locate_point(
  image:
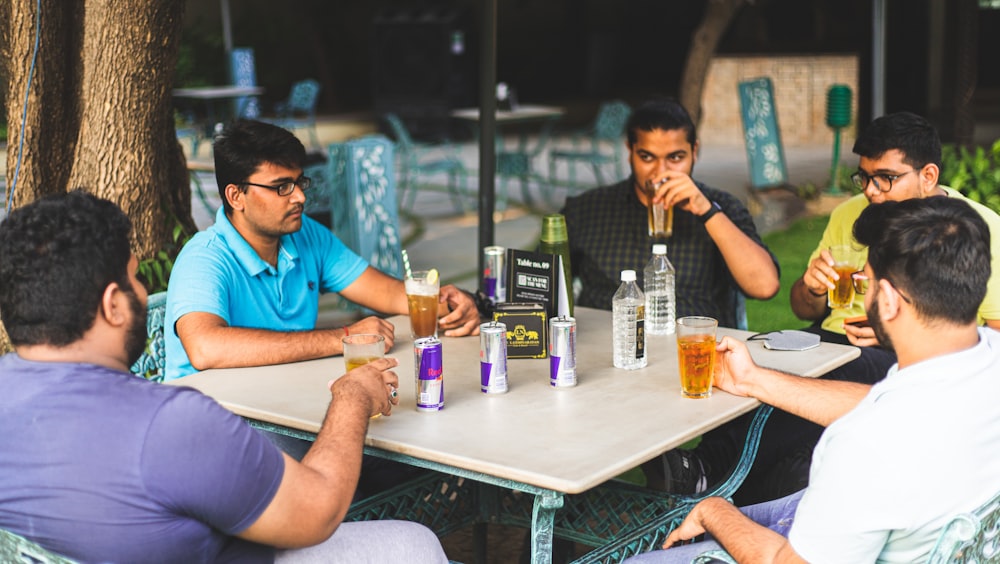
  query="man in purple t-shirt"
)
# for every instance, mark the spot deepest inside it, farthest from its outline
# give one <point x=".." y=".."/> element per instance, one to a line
<point x="99" y="465"/>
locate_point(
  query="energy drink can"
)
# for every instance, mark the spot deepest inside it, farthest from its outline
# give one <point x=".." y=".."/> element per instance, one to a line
<point x="562" y="352"/>
<point x="493" y="275"/>
<point x="429" y="374"/>
<point x="493" y="357"/>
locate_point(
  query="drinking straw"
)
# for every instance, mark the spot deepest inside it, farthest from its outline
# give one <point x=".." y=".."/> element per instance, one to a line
<point x="406" y="265"/>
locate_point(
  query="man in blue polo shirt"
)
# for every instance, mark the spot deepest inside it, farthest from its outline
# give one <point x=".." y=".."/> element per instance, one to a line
<point x="245" y="291"/>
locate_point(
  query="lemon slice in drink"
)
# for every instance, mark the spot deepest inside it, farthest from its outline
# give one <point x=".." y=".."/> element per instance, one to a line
<point x="432" y="276"/>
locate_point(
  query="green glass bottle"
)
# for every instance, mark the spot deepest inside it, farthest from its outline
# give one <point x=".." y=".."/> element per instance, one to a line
<point x="555" y="240"/>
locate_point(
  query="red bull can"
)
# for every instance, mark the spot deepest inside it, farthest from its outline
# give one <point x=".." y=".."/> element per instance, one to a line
<point x="494" y="284"/>
<point x="493" y="357"/>
<point x="562" y="352"/>
<point x="429" y="369"/>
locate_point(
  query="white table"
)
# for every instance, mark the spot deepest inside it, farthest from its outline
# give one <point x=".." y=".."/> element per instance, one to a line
<point x="537" y="439"/>
<point x="211" y="96"/>
<point x="521" y="113"/>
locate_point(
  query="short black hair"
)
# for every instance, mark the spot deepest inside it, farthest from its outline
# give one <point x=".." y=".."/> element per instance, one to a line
<point x="57" y="255"/>
<point x="660" y="113"/>
<point x="934" y="250"/>
<point x="246" y="144"/>
<point x="905" y="132"/>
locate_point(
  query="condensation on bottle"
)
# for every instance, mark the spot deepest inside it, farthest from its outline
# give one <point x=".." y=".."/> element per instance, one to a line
<point x="629" y="331"/>
<point x="658" y="286"/>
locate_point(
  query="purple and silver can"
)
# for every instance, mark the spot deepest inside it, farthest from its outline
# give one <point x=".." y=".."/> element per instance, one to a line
<point x="493" y="275"/>
<point x="562" y="352"/>
<point x="429" y="374"/>
<point x="493" y="357"/>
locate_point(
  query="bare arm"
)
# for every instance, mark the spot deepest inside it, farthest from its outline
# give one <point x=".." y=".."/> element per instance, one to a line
<point x="315" y="494"/>
<point x="819" y="401"/>
<point x="211" y="343"/>
<point x="743" y="539"/>
<point x="993" y="324"/>
<point x="750" y="264"/>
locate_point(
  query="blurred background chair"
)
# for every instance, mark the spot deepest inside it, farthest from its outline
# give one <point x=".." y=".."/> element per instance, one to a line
<point x="600" y="144"/>
<point x="421" y="160"/>
<point x="15" y="548"/>
<point x="354" y="192"/>
<point x="298" y="111"/>
<point x="243" y="72"/>
<point x="153" y="361"/>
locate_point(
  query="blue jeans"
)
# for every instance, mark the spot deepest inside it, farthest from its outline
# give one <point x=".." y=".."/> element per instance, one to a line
<point x="776" y="515"/>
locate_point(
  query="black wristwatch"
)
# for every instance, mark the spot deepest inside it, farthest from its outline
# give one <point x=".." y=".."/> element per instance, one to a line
<point x="716" y="208"/>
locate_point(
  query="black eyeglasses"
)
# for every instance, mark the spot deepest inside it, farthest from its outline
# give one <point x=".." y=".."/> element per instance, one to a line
<point x="284" y="188"/>
<point x="883" y="182"/>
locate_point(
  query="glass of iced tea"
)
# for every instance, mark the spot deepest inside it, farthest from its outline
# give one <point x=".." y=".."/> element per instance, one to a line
<point x="696" y="355"/>
<point x="846" y="261"/>
<point x="422" y="290"/>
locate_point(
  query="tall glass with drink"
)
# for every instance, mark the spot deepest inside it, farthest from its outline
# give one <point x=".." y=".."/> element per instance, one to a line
<point x="846" y="261"/>
<point x="422" y="291"/>
<point x="362" y="348"/>
<point x="696" y="355"/>
<point x="661" y="220"/>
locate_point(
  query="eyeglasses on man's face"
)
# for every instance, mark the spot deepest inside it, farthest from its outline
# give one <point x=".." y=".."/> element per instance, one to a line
<point x="883" y="182"/>
<point x="285" y="188"/>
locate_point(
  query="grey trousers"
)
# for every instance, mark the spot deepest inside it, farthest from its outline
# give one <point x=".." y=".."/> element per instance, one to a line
<point x="374" y="542"/>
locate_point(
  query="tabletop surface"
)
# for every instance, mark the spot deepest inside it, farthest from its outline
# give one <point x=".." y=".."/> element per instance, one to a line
<point x="563" y="439"/>
<point x="523" y="112"/>
<point x="228" y="91"/>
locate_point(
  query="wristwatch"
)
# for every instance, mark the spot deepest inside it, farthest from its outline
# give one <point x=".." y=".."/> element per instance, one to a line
<point x="716" y="208"/>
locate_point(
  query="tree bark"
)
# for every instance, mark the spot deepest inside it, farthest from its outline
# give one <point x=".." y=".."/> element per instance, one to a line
<point x="718" y="15"/>
<point x="99" y="110"/>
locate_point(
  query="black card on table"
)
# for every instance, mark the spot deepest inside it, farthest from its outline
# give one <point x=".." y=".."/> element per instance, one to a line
<point x="537" y="278"/>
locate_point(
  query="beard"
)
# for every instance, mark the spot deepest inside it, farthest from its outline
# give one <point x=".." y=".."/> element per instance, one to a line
<point x="876" y="322"/>
<point x="135" y="340"/>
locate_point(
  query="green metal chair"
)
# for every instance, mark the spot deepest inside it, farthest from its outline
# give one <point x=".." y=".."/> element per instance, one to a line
<point x="17" y="549"/>
<point x="600" y="144"/>
<point x="422" y="159"/>
<point x="299" y="109"/>
<point x="153" y="361"/>
<point x="972" y="537"/>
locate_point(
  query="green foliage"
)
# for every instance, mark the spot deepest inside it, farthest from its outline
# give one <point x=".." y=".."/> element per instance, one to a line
<point x="792" y="247"/>
<point x="155" y="271"/>
<point x="975" y="173"/>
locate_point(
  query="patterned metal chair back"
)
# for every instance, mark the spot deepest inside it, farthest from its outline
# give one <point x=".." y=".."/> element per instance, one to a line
<point x="609" y="125"/>
<point x="153" y="361"/>
<point x="971" y="537"/>
<point x="365" y="214"/>
<point x="303" y="97"/>
<point x="243" y="72"/>
<point x="15" y="548"/>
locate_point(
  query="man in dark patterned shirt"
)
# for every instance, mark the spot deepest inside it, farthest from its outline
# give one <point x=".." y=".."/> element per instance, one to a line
<point x="715" y="248"/>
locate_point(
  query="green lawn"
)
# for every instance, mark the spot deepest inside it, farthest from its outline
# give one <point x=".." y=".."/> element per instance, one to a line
<point x="792" y="247"/>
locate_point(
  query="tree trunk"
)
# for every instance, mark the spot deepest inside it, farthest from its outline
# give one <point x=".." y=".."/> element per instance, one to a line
<point x="718" y="15"/>
<point x="966" y="70"/>
<point x="99" y="109"/>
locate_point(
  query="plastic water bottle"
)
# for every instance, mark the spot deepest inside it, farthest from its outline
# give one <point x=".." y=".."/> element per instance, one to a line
<point x="629" y="333"/>
<point x="658" y="285"/>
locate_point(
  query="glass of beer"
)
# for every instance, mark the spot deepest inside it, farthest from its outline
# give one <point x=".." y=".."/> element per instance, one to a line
<point x="362" y="348"/>
<point x="696" y="355"/>
<point x="422" y="290"/>
<point x="846" y="261"/>
<point x="661" y="220"/>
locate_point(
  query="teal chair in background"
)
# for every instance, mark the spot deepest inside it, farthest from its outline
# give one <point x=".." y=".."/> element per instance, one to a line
<point x="417" y="160"/>
<point x="243" y="72"/>
<point x="153" y="361"/>
<point x="599" y="145"/>
<point x="298" y="111"/>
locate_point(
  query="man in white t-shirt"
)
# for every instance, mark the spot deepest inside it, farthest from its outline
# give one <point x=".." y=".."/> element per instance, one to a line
<point x="888" y="472"/>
